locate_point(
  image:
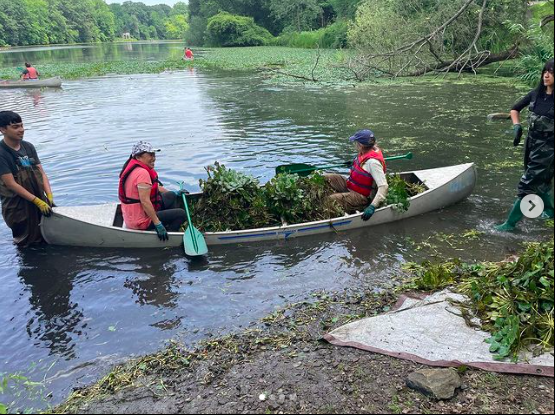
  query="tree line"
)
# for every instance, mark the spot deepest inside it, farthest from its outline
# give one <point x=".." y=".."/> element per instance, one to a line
<point x="43" y="22"/>
<point x="212" y="20"/>
<point x="390" y="37"/>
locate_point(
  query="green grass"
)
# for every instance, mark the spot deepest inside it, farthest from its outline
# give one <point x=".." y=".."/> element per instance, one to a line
<point x="541" y="9"/>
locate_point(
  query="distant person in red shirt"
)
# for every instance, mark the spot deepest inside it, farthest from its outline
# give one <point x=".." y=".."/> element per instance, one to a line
<point x="29" y="73"/>
<point x="189" y="54"/>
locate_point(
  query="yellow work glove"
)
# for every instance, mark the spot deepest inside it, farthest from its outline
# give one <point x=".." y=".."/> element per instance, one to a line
<point x="44" y="208"/>
<point x="50" y="197"/>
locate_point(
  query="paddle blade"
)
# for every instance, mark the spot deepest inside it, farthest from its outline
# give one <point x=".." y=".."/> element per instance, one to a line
<point x="301" y="169"/>
<point x="194" y="242"/>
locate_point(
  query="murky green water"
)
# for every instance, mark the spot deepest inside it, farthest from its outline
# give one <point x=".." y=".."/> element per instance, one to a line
<point x="68" y="314"/>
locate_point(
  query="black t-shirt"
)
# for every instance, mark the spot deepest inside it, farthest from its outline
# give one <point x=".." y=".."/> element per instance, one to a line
<point x="544" y="104"/>
<point x="11" y="161"/>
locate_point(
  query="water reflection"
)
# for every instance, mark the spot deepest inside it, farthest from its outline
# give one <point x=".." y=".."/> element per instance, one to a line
<point x="154" y="282"/>
<point x="55" y="320"/>
<point x="36" y="96"/>
<point x="91" y="53"/>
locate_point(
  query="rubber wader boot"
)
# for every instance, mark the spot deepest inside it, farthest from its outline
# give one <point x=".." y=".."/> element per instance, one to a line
<point x="515" y="216"/>
<point x="549" y="211"/>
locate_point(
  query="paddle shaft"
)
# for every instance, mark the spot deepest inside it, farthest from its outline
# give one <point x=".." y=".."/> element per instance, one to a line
<point x="407" y="156"/>
<point x="499" y="116"/>
<point x="193" y="236"/>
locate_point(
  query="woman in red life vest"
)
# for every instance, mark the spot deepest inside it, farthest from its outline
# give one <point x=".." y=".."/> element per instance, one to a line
<point x="366" y="188"/>
<point x="145" y="204"/>
<point x="29" y="73"/>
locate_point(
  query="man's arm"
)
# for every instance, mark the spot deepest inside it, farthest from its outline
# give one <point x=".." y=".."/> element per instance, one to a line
<point x="11" y="184"/>
<point x="47" y="187"/>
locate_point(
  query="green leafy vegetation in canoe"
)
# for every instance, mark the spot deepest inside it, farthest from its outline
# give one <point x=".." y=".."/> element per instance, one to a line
<point x="232" y="200"/>
<point x="514" y="299"/>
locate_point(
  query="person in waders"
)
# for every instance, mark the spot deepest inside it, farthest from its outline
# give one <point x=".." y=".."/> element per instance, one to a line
<point x="538" y="156"/>
<point x="366" y="188"/>
<point x="25" y="191"/>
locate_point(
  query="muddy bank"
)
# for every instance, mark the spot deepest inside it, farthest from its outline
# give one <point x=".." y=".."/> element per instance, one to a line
<point x="283" y="366"/>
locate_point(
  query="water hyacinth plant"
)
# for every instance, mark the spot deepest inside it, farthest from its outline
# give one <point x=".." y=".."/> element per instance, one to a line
<point x="400" y="192"/>
<point x="232" y="200"/>
<point x="514" y="299"/>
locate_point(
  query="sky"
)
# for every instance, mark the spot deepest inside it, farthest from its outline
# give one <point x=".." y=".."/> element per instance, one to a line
<point x="148" y="2"/>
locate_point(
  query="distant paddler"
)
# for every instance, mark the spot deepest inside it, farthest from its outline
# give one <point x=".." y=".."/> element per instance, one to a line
<point x="539" y="148"/>
<point x="145" y="203"/>
<point x="188" y="54"/>
<point x="29" y="73"/>
<point x="366" y="188"/>
<point x="25" y="190"/>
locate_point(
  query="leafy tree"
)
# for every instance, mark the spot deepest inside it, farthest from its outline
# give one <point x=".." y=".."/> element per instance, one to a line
<point x="176" y="27"/>
<point x="413" y="37"/>
<point x="345" y="9"/>
<point x="105" y="20"/>
<point x="226" y="29"/>
<point x="180" y="8"/>
<point x="196" y="35"/>
<point x="296" y="15"/>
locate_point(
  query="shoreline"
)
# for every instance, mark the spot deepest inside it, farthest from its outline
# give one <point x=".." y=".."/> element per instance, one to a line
<point x="274" y="63"/>
<point x="281" y="365"/>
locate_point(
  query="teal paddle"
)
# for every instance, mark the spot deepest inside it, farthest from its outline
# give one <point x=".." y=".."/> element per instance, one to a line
<point x="305" y="169"/>
<point x="193" y="241"/>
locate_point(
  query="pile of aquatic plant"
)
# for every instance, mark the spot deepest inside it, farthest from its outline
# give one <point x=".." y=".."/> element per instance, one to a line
<point x="296" y="199"/>
<point x="401" y="191"/>
<point x="514" y="299"/>
<point x="232" y="200"/>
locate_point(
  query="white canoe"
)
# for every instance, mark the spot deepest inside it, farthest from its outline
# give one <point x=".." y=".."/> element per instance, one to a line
<point x="40" y="83"/>
<point x="100" y="225"/>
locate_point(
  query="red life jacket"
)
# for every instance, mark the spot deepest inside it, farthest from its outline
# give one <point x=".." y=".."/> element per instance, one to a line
<point x="360" y="180"/>
<point x="31" y="73"/>
<point x="188" y="54"/>
<point x="155" y="196"/>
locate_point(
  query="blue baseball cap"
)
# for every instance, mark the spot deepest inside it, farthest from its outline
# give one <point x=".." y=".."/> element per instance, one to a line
<point x="365" y="137"/>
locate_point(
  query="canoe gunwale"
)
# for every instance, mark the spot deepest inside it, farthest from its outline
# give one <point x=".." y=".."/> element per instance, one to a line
<point x="97" y="233"/>
<point x="55" y="82"/>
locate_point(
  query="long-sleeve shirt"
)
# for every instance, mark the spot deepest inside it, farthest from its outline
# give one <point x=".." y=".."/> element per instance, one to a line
<point x="544" y="103"/>
<point x="375" y="168"/>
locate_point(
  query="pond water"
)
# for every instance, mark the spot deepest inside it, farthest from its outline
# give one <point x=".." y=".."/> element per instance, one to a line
<point x="68" y="314"/>
<point x="81" y="53"/>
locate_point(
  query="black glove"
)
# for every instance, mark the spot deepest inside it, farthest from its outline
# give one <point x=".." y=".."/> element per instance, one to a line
<point x="368" y="213"/>
<point x="180" y="192"/>
<point x="162" y="232"/>
<point x="517" y="131"/>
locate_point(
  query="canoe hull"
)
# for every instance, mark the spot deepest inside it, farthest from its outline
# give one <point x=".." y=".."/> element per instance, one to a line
<point x="81" y="226"/>
<point x="41" y="83"/>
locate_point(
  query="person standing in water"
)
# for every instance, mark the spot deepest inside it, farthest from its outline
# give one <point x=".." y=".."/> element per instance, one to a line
<point x="538" y="158"/>
<point x="25" y="190"/>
